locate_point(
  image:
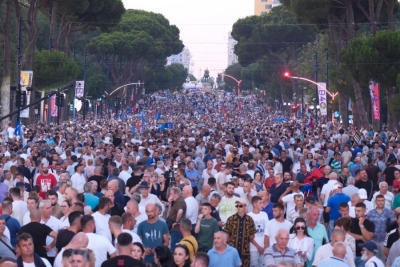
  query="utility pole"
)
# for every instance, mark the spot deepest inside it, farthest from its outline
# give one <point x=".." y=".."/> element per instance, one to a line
<point x="327" y="84"/>
<point x="316" y="87"/>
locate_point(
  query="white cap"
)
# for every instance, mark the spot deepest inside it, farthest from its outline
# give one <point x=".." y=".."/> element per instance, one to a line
<point x="362" y="193"/>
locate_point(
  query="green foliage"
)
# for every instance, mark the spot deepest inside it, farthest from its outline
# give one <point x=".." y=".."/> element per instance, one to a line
<point x="192" y="78"/>
<point x="52" y="69"/>
<point x="170" y="77"/>
<point x="138" y="46"/>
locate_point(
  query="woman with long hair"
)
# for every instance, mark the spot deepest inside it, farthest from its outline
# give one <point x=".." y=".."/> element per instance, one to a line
<point x="344" y="224"/>
<point x="258" y="182"/>
<point x="154" y="186"/>
<point x="301" y="241"/>
<point x="164" y="183"/>
<point x="181" y="256"/>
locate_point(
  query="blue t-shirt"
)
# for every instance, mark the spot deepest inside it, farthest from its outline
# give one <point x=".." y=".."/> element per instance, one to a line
<point x="334" y="203"/>
<point x="91" y="200"/>
<point x="230" y="257"/>
<point x="152" y="236"/>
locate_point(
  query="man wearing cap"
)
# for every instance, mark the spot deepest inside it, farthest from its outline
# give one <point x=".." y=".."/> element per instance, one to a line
<point x="333" y="205"/>
<point x="364" y="199"/>
<point x="241" y="230"/>
<point x="146" y="197"/>
<point x="368" y="251"/>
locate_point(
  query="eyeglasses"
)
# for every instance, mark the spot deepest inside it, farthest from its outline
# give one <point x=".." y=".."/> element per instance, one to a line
<point x="240" y="206"/>
<point x="300" y="228"/>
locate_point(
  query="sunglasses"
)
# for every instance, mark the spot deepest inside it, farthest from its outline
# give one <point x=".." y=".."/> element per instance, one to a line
<point x="239" y="206"/>
<point x="300" y="227"/>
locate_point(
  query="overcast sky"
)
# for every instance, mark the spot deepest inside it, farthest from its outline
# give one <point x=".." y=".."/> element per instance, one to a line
<point x="204" y="26"/>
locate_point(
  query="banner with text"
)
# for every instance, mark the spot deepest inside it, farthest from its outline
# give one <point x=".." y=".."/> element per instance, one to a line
<point x="26" y="81"/>
<point x="79" y="89"/>
<point x="322" y="99"/>
<point x="375" y="101"/>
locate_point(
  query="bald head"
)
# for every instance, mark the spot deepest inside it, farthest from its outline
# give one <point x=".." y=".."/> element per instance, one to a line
<point x="294" y="185"/>
<point x="339" y="250"/>
<point x="187" y="191"/>
<point x="282" y="233"/>
<point x="333" y="176"/>
<point x="98" y="170"/>
<point x="80" y="240"/>
<point x="35" y="215"/>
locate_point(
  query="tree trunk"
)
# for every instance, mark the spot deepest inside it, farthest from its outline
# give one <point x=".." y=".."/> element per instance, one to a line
<point x="6" y="77"/>
<point x="392" y="122"/>
<point x="391" y="4"/>
<point x="53" y="25"/>
<point x="343" y="110"/>
<point x="360" y="105"/>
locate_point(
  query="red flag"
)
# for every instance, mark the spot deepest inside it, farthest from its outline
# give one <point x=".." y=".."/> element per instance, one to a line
<point x="223" y="110"/>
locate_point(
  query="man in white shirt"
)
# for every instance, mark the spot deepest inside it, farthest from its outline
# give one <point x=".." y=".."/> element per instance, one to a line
<point x="277" y="223"/>
<point x="32" y="204"/>
<point x="101" y="218"/>
<point x="147" y="198"/>
<point x="99" y="244"/>
<point x="132" y="207"/>
<point x="289" y="198"/>
<point x="19" y="206"/>
<point x="208" y="172"/>
<point x="192" y="206"/>
<point x="383" y="190"/>
<point x="260" y="219"/>
<point x="124" y="174"/>
<point x="77" y="179"/>
<point x="52" y="222"/>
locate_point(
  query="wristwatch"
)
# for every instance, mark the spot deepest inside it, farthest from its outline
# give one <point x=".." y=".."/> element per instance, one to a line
<point x="362" y="226"/>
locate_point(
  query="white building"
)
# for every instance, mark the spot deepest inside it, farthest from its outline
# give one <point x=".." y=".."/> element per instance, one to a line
<point x="232" y="57"/>
<point x="181" y="58"/>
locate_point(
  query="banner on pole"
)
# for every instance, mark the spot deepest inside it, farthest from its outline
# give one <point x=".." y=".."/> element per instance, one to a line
<point x="26" y="81"/>
<point x="53" y="106"/>
<point x="322" y="99"/>
<point x="375" y="101"/>
<point x="79" y="89"/>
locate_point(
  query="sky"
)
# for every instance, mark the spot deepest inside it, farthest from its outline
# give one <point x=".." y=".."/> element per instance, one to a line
<point x="203" y="25"/>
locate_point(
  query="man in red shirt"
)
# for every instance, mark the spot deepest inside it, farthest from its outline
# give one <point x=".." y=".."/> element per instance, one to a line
<point x="46" y="180"/>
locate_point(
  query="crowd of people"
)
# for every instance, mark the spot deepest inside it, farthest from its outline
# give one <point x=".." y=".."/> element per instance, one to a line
<point x="230" y="184"/>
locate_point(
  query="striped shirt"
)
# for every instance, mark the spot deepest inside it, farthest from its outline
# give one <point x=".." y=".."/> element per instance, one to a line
<point x="273" y="257"/>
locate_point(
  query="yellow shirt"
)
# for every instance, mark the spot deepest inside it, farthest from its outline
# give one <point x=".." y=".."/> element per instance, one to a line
<point x="191" y="244"/>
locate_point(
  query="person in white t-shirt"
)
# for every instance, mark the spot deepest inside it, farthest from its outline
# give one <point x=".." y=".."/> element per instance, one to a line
<point x="289" y="198"/>
<point x="99" y="244"/>
<point x="19" y="206"/>
<point x="52" y="222"/>
<point x="261" y="220"/>
<point x="277" y="223"/>
<point x="77" y="179"/>
<point x="132" y="207"/>
<point x="192" y="206"/>
<point x="79" y="241"/>
<point x="115" y="224"/>
<point x="102" y="217"/>
<point x="208" y="172"/>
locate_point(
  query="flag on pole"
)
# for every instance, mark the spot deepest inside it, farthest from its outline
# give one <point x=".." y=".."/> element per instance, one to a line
<point x="18" y="130"/>
<point x="132" y="96"/>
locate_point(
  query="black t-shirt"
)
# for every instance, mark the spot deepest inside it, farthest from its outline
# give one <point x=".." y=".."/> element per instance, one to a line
<point x="389" y="171"/>
<point x="117" y="209"/>
<point x="392" y="237"/>
<point x="125" y="261"/>
<point x="372" y="172"/>
<point x="39" y="232"/>
<point x="117" y="141"/>
<point x="355" y="229"/>
<point x="276" y="192"/>
<point x="368" y="185"/>
<point x="98" y="179"/>
<point x="63" y="238"/>
<point x="286" y="165"/>
<point x="134" y="180"/>
<point x="322" y="181"/>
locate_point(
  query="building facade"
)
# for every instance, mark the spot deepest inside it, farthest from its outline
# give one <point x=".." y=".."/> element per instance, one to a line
<point x="181" y="58"/>
<point x="232" y="57"/>
<point x="262" y="7"/>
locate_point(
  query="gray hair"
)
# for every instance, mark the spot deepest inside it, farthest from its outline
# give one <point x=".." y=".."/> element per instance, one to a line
<point x="87" y="187"/>
<point x="216" y="196"/>
<point x="177" y="191"/>
<point x="224" y="234"/>
<point x="136" y="197"/>
<point x="61" y="184"/>
<point x="43" y="203"/>
<point x="64" y="174"/>
<point x="351" y="180"/>
<point x="382" y="183"/>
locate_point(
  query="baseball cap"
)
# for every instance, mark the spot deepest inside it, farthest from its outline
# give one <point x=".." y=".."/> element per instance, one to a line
<point x="310" y="199"/>
<point x="371" y="246"/>
<point x="241" y="200"/>
<point x="362" y="193"/>
<point x="336" y="186"/>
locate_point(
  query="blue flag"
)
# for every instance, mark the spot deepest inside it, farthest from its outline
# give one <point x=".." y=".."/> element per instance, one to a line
<point x="143" y="117"/>
<point x="133" y="129"/>
<point x="143" y="125"/>
<point x="158" y="115"/>
<point x="18" y="130"/>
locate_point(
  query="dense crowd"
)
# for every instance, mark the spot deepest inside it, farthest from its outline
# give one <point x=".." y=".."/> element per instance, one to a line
<point x="229" y="182"/>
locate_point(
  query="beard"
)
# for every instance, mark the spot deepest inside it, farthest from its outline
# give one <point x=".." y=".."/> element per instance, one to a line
<point x="364" y="256"/>
<point x="46" y="172"/>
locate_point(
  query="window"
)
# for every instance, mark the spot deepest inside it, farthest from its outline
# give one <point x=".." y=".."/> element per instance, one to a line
<point x="268" y="6"/>
<point x="264" y="0"/>
<point x="263" y="13"/>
